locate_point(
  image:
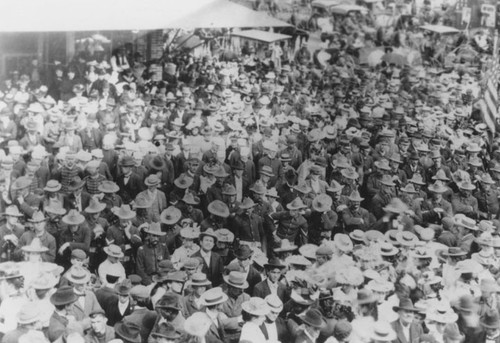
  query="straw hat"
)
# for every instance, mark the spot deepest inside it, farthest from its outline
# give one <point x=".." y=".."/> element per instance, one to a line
<point x="78" y="275"/>
<point x="108" y="187"/>
<point x="237" y="280"/>
<point x="213" y="296"/>
<point x="382" y="332"/>
<point x="343" y="242"/>
<point x="28" y="314"/>
<point x="210" y="233"/>
<point x="256" y="306"/>
<point x="35" y="246"/>
<point x="113" y="250"/>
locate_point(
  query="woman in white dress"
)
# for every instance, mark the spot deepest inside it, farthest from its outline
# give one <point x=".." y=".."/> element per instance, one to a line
<point x="254" y="314"/>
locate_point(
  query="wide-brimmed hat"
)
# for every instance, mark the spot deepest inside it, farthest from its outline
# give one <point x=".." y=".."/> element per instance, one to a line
<point x="314" y="318"/>
<point x="171" y="215"/>
<point x="285" y="245"/>
<point x="417" y="179"/>
<point x="108" y="187"/>
<point x="267" y="170"/>
<point x="155" y="229"/>
<point x="52" y="186"/>
<point x="256" y="306"/>
<point x="75" y="183"/>
<point x="490" y="319"/>
<point x="258" y="188"/>
<point x="113" y="250"/>
<point x="437" y="187"/>
<point x="190" y="199"/>
<point x="35" y="246"/>
<point x="406" y="305"/>
<point x="451" y="252"/>
<point x="128" y="331"/>
<point x="45" y="281"/>
<point x="28" y="314"/>
<point x="466" y="185"/>
<point x="355" y="196"/>
<point x="322" y="203"/>
<point x="236" y="279"/>
<point x="123" y="212"/>
<point x="357" y="235"/>
<point x="224" y="235"/>
<point x="190" y="232"/>
<point x="274" y="263"/>
<point x="78" y="275"/>
<point x="365" y="296"/>
<point x="213" y="296"/>
<point x="247" y="203"/>
<point x="296" y="204"/>
<point x="208" y="232"/>
<point x="152" y="180"/>
<point x="157" y="163"/>
<point x="396" y="205"/>
<point x="167" y="331"/>
<point x="73" y="218"/>
<point x="95" y="206"/>
<point x="421" y="253"/>
<point x="406" y="238"/>
<point x="382" y="332"/>
<point x="200" y="279"/>
<point x="142" y="201"/>
<point x="63" y="296"/>
<point x="467" y="223"/>
<point x="183" y="181"/>
<point x="441" y="176"/>
<point x="218" y="208"/>
<point x="387" y="249"/>
<point x="228" y="189"/>
<point x="343" y="242"/>
<point x="13" y="211"/>
<point x="387" y="181"/>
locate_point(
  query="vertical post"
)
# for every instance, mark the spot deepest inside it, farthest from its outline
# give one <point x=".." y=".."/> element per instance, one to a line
<point x="495" y="46"/>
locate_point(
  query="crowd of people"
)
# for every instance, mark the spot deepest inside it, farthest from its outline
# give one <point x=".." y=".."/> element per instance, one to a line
<point x="247" y="201"/>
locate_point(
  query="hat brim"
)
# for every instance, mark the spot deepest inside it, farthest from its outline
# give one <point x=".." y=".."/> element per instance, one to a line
<point x="411" y="309"/>
<point x="100" y="208"/>
<point x="109" y="253"/>
<point x="245" y="284"/>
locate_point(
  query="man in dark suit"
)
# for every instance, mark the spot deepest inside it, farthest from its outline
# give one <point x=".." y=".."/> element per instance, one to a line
<point x="120" y="306"/>
<point x="489" y="331"/>
<point x="77" y="199"/>
<point x="271" y="285"/>
<point x="406" y="329"/>
<point x="275" y="328"/>
<point x="129" y="182"/>
<point x="213" y="265"/>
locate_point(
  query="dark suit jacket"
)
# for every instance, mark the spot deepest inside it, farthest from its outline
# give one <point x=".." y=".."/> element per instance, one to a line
<point x="57" y="327"/>
<point x="133" y="187"/>
<point x="281" y="328"/>
<point x="70" y="204"/>
<point x="262" y="290"/>
<point x="105" y="295"/>
<point x="216" y="269"/>
<point x="113" y="312"/>
<point x="415" y="332"/>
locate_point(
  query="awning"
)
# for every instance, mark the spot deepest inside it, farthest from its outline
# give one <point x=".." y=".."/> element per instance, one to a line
<point x="440" y="29"/>
<point x="261" y="36"/>
<point x="108" y="15"/>
<point x="226" y="14"/>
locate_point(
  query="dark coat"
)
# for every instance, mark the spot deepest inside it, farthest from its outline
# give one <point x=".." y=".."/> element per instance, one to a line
<point x="281" y="328"/>
<point x="216" y="269"/>
<point x="262" y="290"/>
<point x="113" y="312"/>
<point x="129" y="191"/>
<point x="70" y="204"/>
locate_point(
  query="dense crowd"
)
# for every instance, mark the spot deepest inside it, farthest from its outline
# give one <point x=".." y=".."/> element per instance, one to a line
<point x="252" y="200"/>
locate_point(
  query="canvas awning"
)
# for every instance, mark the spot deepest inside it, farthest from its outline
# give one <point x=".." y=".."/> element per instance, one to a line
<point x="108" y="15"/>
<point x="226" y="14"/>
<point x="261" y="36"/>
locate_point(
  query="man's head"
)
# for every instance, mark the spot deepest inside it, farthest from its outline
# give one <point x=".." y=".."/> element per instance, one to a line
<point x="98" y="322"/>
